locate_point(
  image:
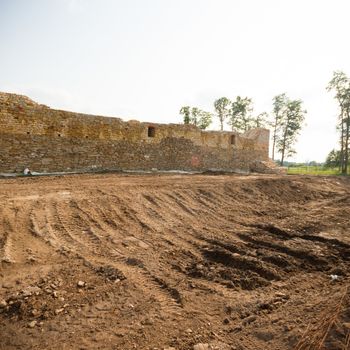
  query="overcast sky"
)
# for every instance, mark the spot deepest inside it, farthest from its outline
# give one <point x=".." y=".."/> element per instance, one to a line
<point x="144" y="59"/>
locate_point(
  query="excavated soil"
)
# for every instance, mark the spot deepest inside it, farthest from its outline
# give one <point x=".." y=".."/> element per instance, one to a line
<point x="175" y="262"/>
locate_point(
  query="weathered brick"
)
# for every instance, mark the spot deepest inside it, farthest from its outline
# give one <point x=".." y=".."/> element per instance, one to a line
<point x="53" y="140"/>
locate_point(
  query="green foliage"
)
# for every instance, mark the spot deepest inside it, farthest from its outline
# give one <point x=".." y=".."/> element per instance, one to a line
<point x="288" y="120"/>
<point x="222" y="109"/>
<point x="195" y="116"/>
<point x="298" y="164"/>
<point x="312" y="170"/>
<point x="340" y="84"/>
<point x="290" y="126"/>
<point x="261" y="120"/>
<point x="186" y="112"/>
<point x="333" y="159"/>
<point x="279" y="103"/>
<point x="240" y="114"/>
<point x="205" y="119"/>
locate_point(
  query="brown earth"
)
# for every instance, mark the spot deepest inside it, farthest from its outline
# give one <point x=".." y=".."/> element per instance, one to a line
<point x="171" y="261"/>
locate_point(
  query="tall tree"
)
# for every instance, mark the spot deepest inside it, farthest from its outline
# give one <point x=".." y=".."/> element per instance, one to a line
<point x="279" y="103"/>
<point x="290" y="126"/>
<point x="222" y="108"/>
<point x="340" y="83"/>
<point x="240" y="114"/>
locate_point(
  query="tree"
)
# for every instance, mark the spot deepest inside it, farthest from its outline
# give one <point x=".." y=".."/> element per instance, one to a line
<point x="186" y="112"/>
<point x="205" y="119"/>
<point x="240" y="114"/>
<point x="195" y="112"/>
<point x="260" y="121"/>
<point x="340" y="83"/>
<point x="333" y="159"/>
<point x="290" y="125"/>
<point x="279" y="105"/>
<point x="222" y="109"/>
<point x="195" y="116"/>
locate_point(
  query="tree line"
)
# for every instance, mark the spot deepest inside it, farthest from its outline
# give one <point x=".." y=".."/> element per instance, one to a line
<point x="285" y="120"/>
<point x="340" y="85"/>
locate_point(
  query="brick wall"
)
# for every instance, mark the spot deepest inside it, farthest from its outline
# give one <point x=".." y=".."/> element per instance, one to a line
<point x="49" y="140"/>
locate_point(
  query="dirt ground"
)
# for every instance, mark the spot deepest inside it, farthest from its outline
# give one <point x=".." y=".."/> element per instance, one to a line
<point x="175" y="262"/>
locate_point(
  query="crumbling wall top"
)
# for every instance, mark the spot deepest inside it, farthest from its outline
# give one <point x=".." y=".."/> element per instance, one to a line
<point x="21" y="115"/>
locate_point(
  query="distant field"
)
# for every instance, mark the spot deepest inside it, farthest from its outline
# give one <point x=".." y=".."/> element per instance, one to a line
<point x="313" y="170"/>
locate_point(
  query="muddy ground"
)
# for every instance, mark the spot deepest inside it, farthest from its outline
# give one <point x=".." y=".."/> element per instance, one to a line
<point x="175" y="262"/>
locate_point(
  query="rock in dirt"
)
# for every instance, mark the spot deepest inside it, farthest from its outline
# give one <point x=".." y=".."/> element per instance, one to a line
<point x="249" y="320"/>
<point x="236" y="329"/>
<point x="347" y="325"/>
<point x="31" y="290"/>
<point x="6" y="286"/>
<point x="264" y="335"/>
<point x="201" y="346"/>
<point x="35" y="313"/>
<point x="282" y="295"/>
<point x="3" y="304"/>
<point x="81" y="284"/>
<point x="58" y="311"/>
<point x="111" y="273"/>
<point x="32" y="324"/>
<point x="147" y="322"/>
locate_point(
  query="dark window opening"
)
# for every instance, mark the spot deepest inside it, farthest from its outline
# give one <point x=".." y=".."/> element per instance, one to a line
<point x="86" y="137"/>
<point x="233" y="139"/>
<point x="59" y="135"/>
<point x="151" y="131"/>
<point x="28" y="132"/>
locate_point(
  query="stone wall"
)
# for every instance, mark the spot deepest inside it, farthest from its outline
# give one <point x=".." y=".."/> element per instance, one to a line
<point x="48" y="140"/>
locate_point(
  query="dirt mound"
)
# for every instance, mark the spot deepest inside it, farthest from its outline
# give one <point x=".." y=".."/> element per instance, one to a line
<point x="156" y="262"/>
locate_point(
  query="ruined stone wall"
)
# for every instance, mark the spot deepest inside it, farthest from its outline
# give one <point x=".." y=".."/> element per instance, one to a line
<point x="48" y="140"/>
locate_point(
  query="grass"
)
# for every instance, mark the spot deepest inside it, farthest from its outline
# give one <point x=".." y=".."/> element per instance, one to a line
<point x="313" y="170"/>
<point x="315" y="337"/>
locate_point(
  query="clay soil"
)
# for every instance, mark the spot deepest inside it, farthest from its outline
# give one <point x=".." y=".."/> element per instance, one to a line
<point x="117" y="261"/>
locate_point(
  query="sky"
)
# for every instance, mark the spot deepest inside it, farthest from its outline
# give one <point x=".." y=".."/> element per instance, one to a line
<point x="144" y="59"/>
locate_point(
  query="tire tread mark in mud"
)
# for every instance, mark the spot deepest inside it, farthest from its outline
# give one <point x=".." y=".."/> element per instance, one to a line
<point x="131" y="215"/>
<point x="96" y="232"/>
<point x="275" y="231"/>
<point x="62" y="227"/>
<point x="151" y="199"/>
<point x="240" y="263"/>
<point x="179" y="203"/>
<point x="168" y="297"/>
<point x="5" y="241"/>
<point x="331" y="243"/>
<point x="228" y="246"/>
<point x="82" y="216"/>
<point x="86" y="215"/>
<point x="168" y="211"/>
<point x="305" y="256"/>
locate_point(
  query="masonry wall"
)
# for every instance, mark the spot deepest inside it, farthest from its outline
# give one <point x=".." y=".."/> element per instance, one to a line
<point x="48" y="140"/>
